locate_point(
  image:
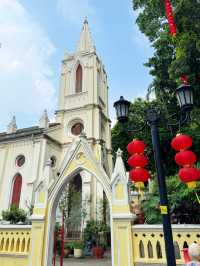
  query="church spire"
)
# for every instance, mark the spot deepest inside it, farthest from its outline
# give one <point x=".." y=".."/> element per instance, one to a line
<point x="85" y="43"/>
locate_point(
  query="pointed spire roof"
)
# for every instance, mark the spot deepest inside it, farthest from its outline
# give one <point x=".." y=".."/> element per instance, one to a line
<point x="85" y="43"/>
<point x="12" y="126"/>
<point x="44" y="120"/>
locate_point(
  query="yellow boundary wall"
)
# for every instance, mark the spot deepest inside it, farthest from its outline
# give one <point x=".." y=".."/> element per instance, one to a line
<point x="14" y="245"/>
<point x="148" y="242"/>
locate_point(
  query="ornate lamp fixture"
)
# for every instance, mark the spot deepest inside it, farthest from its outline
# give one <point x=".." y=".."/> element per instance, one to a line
<point x="184" y="94"/>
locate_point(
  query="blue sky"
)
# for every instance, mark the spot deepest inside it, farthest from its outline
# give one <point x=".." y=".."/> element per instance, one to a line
<point x="34" y="34"/>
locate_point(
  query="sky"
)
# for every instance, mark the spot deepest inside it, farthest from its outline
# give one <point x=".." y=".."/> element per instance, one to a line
<point x="35" y="34"/>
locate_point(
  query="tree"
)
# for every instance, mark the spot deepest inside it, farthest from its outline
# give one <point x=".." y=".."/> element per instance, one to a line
<point x="182" y="201"/>
<point x="121" y="137"/>
<point x="172" y="57"/>
<point x="71" y="203"/>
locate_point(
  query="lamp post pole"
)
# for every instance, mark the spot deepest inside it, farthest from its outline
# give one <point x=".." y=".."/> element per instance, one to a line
<point x="184" y="94"/>
<point x="152" y="121"/>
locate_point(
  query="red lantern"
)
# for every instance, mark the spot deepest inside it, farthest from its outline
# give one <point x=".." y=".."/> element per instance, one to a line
<point x="139" y="175"/>
<point x="184" y="79"/>
<point x="185" y="158"/>
<point x="189" y="176"/>
<point x="170" y="17"/>
<point x="136" y="146"/>
<point x="138" y="160"/>
<point x="181" y="142"/>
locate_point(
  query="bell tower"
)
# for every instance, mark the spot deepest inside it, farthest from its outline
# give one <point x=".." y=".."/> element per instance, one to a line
<point x="83" y="98"/>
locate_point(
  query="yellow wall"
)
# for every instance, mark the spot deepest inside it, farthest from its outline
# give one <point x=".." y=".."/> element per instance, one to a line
<point x="149" y="237"/>
<point x="15" y="245"/>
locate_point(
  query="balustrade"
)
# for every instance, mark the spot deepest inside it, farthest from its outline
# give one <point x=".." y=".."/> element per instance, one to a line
<point x="15" y="239"/>
<point x="149" y="246"/>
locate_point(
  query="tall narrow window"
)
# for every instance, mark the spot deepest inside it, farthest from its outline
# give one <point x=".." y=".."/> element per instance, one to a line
<point x="16" y="191"/>
<point x="79" y="79"/>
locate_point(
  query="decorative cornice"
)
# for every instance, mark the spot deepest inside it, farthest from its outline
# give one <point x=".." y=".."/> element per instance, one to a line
<point x="124" y="216"/>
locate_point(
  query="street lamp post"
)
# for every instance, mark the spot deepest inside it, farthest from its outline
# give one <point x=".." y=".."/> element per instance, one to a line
<point x="184" y="95"/>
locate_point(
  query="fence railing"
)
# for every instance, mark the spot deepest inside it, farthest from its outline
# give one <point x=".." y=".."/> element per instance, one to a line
<point x="149" y="247"/>
<point x="15" y="240"/>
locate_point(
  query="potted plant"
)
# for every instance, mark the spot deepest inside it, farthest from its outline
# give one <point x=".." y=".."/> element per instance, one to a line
<point x="14" y="215"/>
<point x="94" y="232"/>
<point x="68" y="247"/>
<point x="78" y="249"/>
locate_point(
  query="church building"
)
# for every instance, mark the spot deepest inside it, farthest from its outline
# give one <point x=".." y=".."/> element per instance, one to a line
<point x="82" y="110"/>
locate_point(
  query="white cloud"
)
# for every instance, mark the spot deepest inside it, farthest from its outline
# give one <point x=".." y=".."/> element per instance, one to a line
<point x="25" y="74"/>
<point x="75" y="11"/>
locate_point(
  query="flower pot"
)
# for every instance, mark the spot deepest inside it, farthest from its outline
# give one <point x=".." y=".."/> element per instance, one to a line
<point x="67" y="251"/>
<point x="78" y="253"/>
<point x="98" y="252"/>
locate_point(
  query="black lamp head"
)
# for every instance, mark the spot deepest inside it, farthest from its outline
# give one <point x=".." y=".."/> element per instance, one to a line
<point x="184" y="94"/>
<point x="122" y="109"/>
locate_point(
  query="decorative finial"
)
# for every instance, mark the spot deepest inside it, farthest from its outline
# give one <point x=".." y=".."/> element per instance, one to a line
<point x="86" y="20"/>
<point x="44" y="120"/>
<point x="119" y="152"/>
<point x="12" y="126"/>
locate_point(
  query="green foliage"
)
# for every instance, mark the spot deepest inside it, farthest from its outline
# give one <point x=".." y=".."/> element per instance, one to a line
<point x="172" y="57"/>
<point x="67" y="245"/>
<point x="71" y="203"/>
<point x="182" y="201"/>
<point x="14" y="215"/>
<point x="78" y="245"/>
<point x="57" y="227"/>
<point x="93" y="231"/>
<point x="120" y="136"/>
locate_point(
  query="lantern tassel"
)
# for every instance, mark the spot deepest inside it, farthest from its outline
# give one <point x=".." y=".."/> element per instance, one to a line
<point x="198" y="199"/>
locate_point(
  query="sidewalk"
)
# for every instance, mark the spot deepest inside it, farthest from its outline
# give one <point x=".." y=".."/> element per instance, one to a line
<point x="86" y="261"/>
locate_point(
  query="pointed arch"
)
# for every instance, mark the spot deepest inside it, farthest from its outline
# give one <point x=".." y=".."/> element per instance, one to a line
<point x="141" y="249"/>
<point x="16" y="190"/>
<point x="17" y="245"/>
<point x="28" y="246"/>
<point x="79" y="79"/>
<point x="150" y="250"/>
<point x="23" y="245"/>
<point x="158" y="250"/>
<point x="2" y="244"/>
<point x="7" y="244"/>
<point x="177" y="250"/>
<point x="12" y="245"/>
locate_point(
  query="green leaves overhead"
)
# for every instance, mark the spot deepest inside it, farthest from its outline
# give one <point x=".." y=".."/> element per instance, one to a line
<point x="173" y="56"/>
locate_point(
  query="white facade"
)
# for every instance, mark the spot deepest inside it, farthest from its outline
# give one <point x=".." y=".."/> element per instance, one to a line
<point x="87" y="109"/>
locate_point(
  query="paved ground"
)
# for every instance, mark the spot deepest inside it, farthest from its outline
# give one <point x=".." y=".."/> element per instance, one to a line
<point x="86" y="261"/>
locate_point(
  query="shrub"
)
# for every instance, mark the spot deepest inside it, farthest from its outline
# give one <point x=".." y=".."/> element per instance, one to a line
<point x="78" y="245"/>
<point x="14" y="215"/>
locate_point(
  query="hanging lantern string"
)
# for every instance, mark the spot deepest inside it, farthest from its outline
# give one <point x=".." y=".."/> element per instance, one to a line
<point x="170" y="17"/>
<point x="173" y="30"/>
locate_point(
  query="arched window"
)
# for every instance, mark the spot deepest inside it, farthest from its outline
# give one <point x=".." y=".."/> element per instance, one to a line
<point x="79" y="79"/>
<point x="16" y="190"/>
